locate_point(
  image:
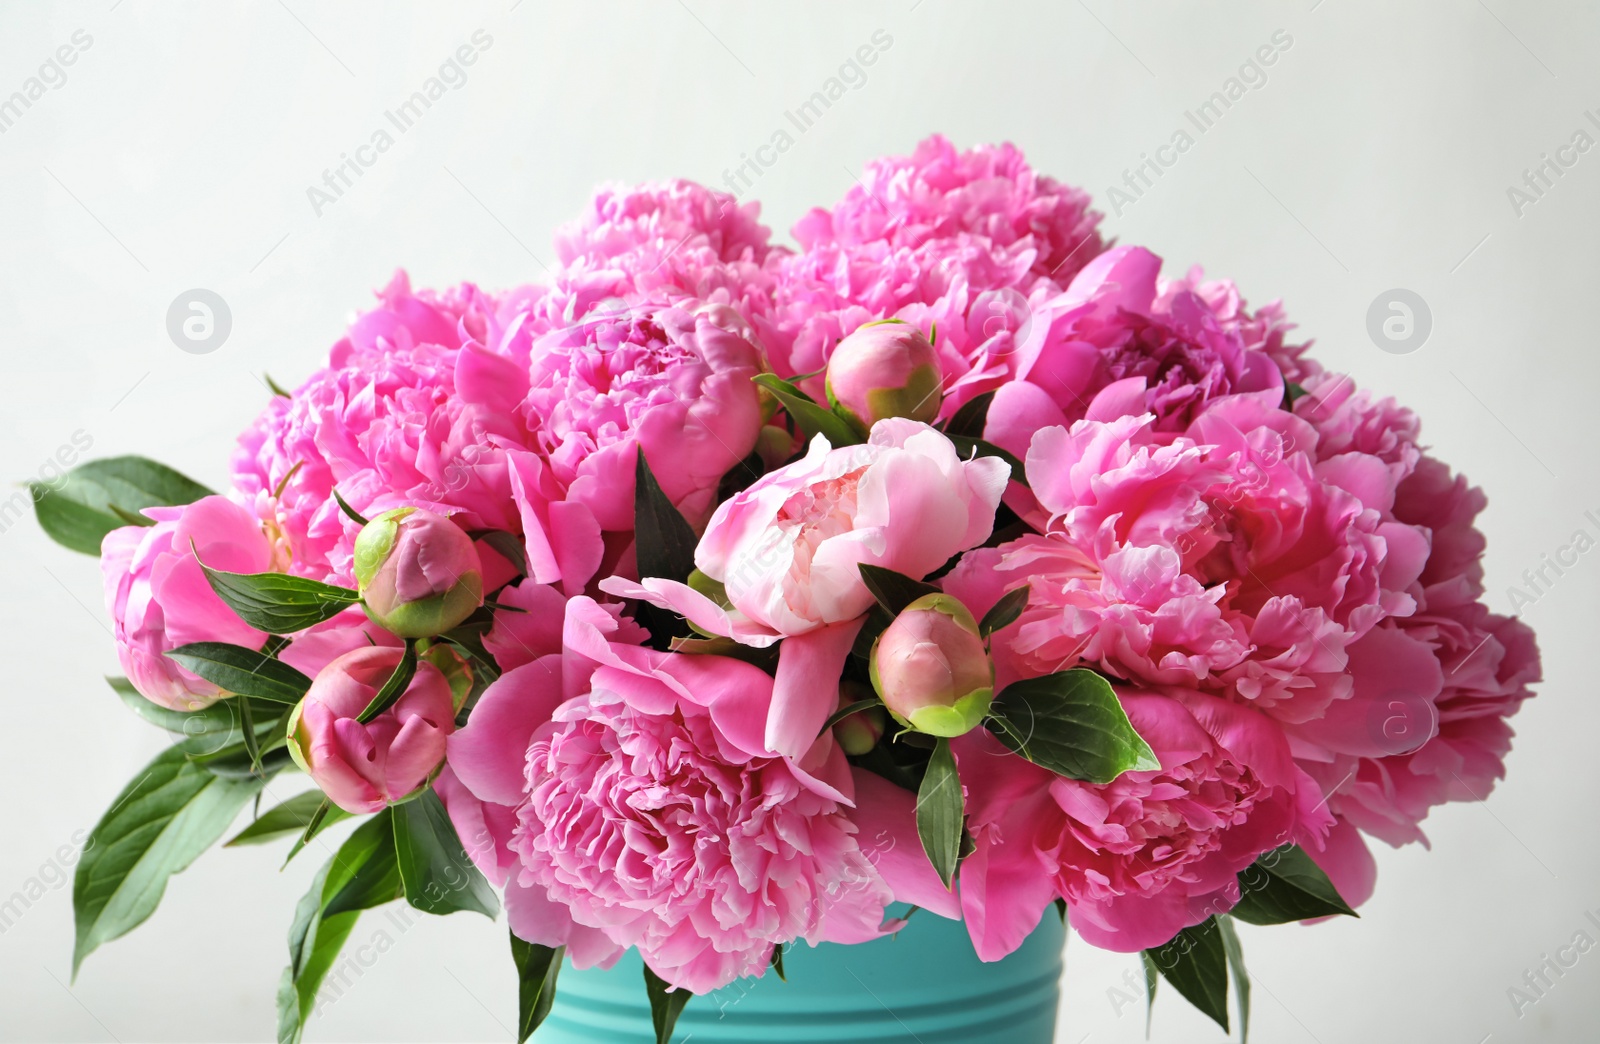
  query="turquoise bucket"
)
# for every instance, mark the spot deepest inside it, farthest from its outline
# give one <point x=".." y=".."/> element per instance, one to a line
<point x="922" y="986"/>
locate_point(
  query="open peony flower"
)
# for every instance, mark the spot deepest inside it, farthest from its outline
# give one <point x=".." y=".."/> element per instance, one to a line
<point x="1140" y="858"/>
<point x="158" y="598"/>
<point x="1159" y="349"/>
<point x="676" y="741"/>
<point x="974" y="242"/>
<point x="383" y="424"/>
<point x="787" y="553"/>
<point x="671" y="381"/>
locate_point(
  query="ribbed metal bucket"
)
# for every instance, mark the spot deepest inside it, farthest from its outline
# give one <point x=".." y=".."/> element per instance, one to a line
<point x="923" y="986"/>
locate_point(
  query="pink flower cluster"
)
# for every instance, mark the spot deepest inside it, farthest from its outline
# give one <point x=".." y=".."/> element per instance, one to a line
<point x="1283" y="587"/>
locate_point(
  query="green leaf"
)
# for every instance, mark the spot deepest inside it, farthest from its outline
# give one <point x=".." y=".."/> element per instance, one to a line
<point x="202" y="732"/>
<point x="813" y="418"/>
<point x="664" y="1007"/>
<point x="969" y="447"/>
<point x="1285" y="885"/>
<point x="972" y="417"/>
<point x="1152" y="978"/>
<point x="278" y="603"/>
<point x="894" y="591"/>
<point x="940" y="812"/>
<point x="1241" y="977"/>
<point x="276" y="388"/>
<point x="324" y="816"/>
<point x="359" y="876"/>
<point x="351" y="513"/>
<point x="1005" y="611"/>
<point x="537" y="969"/>
<point x="170" y="813"/>
<point x="1071" y="723"/>
<point x="777" y="962"/>
<point x="439" y="877"/>
<point x="1196" y="965"/>
<point x="286" y="817"/>
<point x="848" y="709"/>
<point x="393" y="688"/>
<point x="1291" y="392"/>
<point x="81" y="507"/>
<point x="508" y="545"/>
<point x="664" y="541"/>
<point x="246" y="672"/>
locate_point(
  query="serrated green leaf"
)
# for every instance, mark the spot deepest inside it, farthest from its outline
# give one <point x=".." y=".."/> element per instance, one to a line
<point x="246" y="672"/>
<point x="438" y="875"/>
<point x="1071" y="723"/>
<point x="81" y="507"/>
<point x="278" y="603"/>
<point x="665" y="1007"/>
<point x="159" y="823"/>
<point x="894" y="591"/>
<point x="813" y="418"/>
<point x="941" y="811"/>
<point x="1286" y="885"/>
<point x="1236" y="970"/>
<point x="286" y="817"/>
<point x="1004" y="612"/>
<point x="537" y="969"/>
<point x="1197" y="966"/>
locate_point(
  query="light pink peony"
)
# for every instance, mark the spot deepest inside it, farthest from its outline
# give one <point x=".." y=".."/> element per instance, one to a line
<point x="787" y="551"/>
<point x="158" y="598"/>
<point x="363" y="767"/>
<point x="1144" y="856"/>
<point x="676" y="741"/>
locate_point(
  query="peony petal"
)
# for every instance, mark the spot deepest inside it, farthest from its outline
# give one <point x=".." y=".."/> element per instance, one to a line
<point x="806" y="690"/>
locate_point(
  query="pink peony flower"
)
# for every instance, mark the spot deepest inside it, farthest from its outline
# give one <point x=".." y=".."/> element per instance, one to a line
<point x="672" y="381"/>
<point x="385" y="424"/>
<point x="788" y="548"/>
<point x="612" y="755"/>
<point x="1120" y="337"/>
<point x="974" y="241"/>
<point x="1229" y="558"/>
<point x="363" y="767"/>
<point x="884" y="369"/>
<point x="420" y="574"/>
<point x="158" y="598"/>
<point x="1144" y="856"/>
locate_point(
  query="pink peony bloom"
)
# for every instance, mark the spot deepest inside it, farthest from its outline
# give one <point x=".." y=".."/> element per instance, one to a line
<point x="1144" y="856"/>
<point x="1229" y="558"/>
<point x="672" y="381"/>
<point x="1120" y="337"/>
<point x="158" y="598"/>
<point x="363" y="767"/>
<point x="607" y="748"/>
<point x="974" y="241"/>
<point x="884" y="369"/>
<point x="385" y="424"/>
<point x="788" y="548"/>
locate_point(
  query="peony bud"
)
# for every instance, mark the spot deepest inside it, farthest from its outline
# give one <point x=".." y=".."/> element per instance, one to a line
<point x="363" y="767"/>
<point x="860" y="732"/>
<point x="884" y="369"/>
<point x="931" y="668"/>
<point x="419" y="572"/>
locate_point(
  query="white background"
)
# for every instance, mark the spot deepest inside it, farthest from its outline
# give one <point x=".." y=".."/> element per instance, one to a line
<point x="1378" y="155"/>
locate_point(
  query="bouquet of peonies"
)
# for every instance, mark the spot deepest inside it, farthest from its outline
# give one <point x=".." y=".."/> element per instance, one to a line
<point x="716" y="596"/>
